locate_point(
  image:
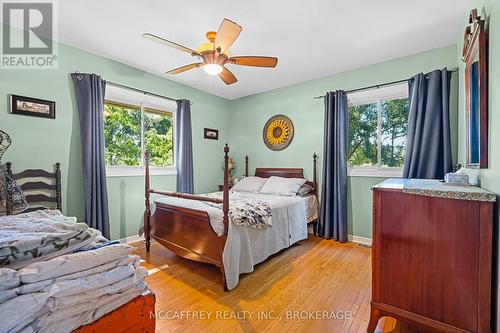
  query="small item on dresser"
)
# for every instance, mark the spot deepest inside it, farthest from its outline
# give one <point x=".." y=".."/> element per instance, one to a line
<point x="456" y="178"/>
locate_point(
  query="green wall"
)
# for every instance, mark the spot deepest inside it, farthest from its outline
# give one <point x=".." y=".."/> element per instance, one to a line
<point x="249" y="115"/>
<point x="40" y="142"/>
<point x="490" y="178"/>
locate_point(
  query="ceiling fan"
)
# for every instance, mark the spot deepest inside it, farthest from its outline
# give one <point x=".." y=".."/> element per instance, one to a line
<point x="213" y="55"/>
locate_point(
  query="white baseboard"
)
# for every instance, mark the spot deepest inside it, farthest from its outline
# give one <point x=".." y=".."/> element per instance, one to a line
<point x="360" y="240"/>
<point x="131" y="239"/>
<point x="352" y="238"/>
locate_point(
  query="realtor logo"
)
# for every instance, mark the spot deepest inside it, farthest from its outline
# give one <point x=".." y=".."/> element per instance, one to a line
<point x="28" y="35"/>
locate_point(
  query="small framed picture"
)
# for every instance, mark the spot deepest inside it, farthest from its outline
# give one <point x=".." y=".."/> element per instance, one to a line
<point x="212" y="134"/>
<point x="32" y="107"/>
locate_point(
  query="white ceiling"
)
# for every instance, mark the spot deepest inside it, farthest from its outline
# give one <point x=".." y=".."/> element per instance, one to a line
<point x="312" y="38"/>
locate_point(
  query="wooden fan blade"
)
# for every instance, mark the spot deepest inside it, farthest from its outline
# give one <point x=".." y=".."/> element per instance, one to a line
<point x="184" y="68"/>
<point x="254" y="61"/>
<point x="226" y="35"/>
<point x="169" y="43"/>
<point x="227" y="76"/>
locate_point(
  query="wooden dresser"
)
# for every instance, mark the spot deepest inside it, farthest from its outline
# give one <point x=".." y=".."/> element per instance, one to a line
<point x="432" y="255"/>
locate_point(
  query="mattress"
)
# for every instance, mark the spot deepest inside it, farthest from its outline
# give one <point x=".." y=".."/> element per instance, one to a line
<point x="310" y="203"/>
<point x="312" y="207"/>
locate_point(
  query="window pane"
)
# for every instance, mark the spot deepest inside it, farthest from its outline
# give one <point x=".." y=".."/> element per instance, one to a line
<point x="394" y="130"/>
<point x="158" y="137"/>
<point x="363" y="135"/>
<point x="122" y="135"/>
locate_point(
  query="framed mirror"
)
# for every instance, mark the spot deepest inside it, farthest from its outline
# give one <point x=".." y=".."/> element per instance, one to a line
<point x="475" y="56"/>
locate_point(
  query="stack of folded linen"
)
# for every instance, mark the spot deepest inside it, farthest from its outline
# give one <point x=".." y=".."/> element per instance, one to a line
<point x="59" y="291"/>
<point x="41" y="235"/>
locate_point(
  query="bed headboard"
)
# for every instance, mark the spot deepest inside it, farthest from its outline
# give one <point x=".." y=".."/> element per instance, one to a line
<point x="285" y="172"/>
<point x="280" y="172"/>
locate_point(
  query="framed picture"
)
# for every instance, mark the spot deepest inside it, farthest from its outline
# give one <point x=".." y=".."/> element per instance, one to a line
<point x="32" y="107"/>
<point x="212" y="134"/>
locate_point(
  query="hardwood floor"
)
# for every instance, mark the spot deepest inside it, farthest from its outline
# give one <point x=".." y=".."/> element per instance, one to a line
<point x="315" y="286"/>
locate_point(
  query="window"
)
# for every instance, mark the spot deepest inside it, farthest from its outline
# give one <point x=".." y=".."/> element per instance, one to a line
<point x="133" y="124"/>
<point x="378" y="124"/>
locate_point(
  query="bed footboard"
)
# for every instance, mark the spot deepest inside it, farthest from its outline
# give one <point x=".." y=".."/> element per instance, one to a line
<point x="187" y="232"/>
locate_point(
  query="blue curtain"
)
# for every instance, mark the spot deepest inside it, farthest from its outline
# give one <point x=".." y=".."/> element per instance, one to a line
<point x="333" y="212"/>
<point x="90" y="90"/>
<point x="428" y="143"/>
<point x="184" y="147"/>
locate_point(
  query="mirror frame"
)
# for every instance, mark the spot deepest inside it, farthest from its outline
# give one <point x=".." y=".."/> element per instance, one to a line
<point x="476" y="41"/>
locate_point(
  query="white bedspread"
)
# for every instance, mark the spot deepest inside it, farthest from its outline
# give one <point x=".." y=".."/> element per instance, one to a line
<point x="245" y="247"/>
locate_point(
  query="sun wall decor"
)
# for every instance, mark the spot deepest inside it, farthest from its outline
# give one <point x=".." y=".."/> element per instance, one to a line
<point x="278" y="132"/>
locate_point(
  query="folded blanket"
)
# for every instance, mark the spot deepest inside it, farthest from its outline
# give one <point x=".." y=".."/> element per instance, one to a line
<point x="81" y="305"/>
<point x="245" y="211"/>
<point x="71" y="263"/>
<point x="26" y="238"/>
<point x="42" y="285"/>
<point x="8" y="279"/>
<point x="39" y="303"/>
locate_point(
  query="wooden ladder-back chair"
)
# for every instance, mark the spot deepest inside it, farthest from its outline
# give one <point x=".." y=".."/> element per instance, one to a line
<point x="45" y="185"/>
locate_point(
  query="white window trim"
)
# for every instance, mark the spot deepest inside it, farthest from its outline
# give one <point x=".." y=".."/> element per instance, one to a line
<point x="142" y="101"/>
<point x="386" y="172"/>
<point x="378" y="170"/>
<point x="134" y="171"/>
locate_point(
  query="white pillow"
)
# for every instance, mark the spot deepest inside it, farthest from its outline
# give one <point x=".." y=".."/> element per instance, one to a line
<point x="282" y="186"/>
<point x="249" y="184"/>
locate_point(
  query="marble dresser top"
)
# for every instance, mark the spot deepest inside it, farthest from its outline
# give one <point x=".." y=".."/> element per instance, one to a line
<point x="435" y="188"/>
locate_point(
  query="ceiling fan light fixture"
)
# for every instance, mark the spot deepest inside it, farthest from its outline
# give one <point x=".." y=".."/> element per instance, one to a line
<point x="213" y="55"/>
<point x="212" y="69"/>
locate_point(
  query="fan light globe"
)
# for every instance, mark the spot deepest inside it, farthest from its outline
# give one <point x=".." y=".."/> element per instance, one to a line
<point x="212" y="69"/>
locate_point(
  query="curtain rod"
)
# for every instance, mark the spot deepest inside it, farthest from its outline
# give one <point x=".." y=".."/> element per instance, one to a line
<point x="380" y="85"/>
<point x="142" y="91"/>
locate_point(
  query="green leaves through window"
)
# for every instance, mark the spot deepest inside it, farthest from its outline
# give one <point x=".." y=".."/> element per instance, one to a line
<point x="130" y="130"/>
<point x="378" y="125"/>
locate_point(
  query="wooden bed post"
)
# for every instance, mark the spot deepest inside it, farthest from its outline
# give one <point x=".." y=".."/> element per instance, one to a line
<point x="225" y="219"/>
<point x="147" y="212"/>
<point x="315" y="183"/>
<point x="246" y="165"/>
<point x="225" y="195"/>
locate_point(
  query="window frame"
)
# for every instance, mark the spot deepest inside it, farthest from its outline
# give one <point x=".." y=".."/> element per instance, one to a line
<point x="139" y="170"/>
<point x="378" y="170"/>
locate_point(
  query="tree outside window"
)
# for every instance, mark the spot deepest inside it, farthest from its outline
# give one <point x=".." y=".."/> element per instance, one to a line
<point x="131" y="130"/>
<point x="377" y="133"/>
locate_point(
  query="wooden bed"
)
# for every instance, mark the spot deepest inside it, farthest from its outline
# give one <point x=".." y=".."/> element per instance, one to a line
<point x="188" y="232"/>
